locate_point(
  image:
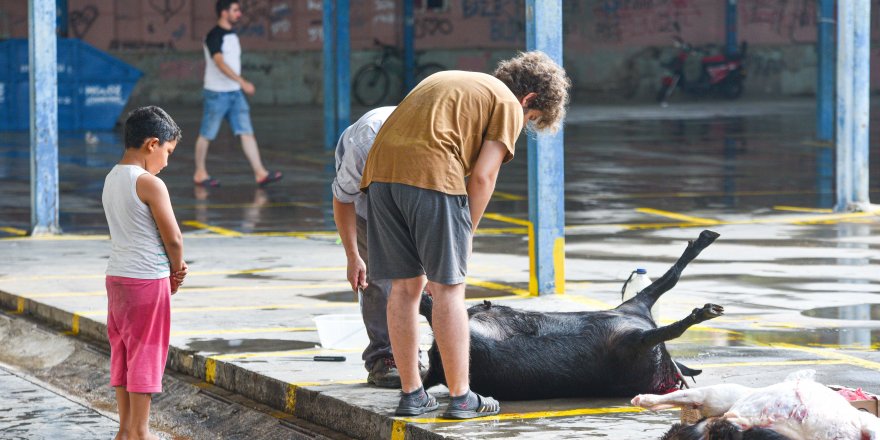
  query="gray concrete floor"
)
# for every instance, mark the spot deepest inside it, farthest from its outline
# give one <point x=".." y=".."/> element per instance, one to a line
<point x="799" y="284"/>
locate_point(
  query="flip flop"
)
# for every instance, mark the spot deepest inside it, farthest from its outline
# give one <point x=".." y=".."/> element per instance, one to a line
<point x="486" y="406"/>
<point x="210" y="182"/>
<point x="273" y="176"/>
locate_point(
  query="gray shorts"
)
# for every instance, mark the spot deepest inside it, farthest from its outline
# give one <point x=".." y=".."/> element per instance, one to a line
<point x="413" y="231"/>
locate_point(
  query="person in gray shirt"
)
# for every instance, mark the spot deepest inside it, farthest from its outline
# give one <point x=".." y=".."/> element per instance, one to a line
<point x="350" y="214"/>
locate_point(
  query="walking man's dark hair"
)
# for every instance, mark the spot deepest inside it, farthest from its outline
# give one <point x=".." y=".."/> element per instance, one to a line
<point x="149" y="122"/>
<point x="223" y="5"/>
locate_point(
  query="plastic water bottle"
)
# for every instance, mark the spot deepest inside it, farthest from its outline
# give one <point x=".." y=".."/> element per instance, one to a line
<point x="637" y="281"/>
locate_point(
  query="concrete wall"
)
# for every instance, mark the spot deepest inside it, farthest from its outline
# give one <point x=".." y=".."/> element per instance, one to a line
<point x="613" y="47"/>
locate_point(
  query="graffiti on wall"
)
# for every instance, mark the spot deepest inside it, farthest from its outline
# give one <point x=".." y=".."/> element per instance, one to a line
<point x="167" y="8"/>
<point x="616" y="21"/>
<point x="81" y="20"/>
<point x="506" y="18"/>
<point x="794" y="20"/>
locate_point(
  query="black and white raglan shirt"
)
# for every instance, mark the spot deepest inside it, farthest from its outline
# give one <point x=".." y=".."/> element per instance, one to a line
<point x="223" y="41"/>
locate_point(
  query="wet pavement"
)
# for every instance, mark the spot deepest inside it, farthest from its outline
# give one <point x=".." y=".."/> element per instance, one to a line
<point x="30" y="411"/>
<point x="799" y="284"/>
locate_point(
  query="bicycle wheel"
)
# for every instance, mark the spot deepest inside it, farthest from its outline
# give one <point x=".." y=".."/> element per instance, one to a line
<point x="425" y="70"/>
<point x="370" y="85"/>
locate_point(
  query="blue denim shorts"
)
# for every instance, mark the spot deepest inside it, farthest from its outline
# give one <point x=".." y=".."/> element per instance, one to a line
<point x="230" y="105"/>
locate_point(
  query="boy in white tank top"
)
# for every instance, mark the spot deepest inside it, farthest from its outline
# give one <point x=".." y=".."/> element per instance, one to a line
<point x="146" y="266"/>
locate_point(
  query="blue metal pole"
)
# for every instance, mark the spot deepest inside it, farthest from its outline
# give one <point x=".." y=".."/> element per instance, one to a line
<point x="844" y="117"/>
<point x="825" y="77"/>
<point x="861" y="90"/>
<point x="329" y="34"/>
<point x="409" y="53"/>
<point x="546" y="164"/>
<point x="43" y="76"/>
<point x="61" y="24"/>
<point x="730" y="22"/>
<point x="343" y="67"/>
<point x="825" y="104"/>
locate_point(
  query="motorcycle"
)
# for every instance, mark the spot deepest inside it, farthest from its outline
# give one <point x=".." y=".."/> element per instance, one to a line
<point x="724" y="73"/>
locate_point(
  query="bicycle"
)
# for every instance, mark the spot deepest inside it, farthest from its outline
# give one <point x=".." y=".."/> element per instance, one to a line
<point x="372" y="82"/>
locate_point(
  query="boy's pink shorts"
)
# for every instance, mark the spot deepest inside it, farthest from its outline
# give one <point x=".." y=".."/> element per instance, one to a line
<point x="138" y="326"/>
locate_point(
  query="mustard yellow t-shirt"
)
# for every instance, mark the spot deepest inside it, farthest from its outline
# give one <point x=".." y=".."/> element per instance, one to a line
<point x="433" y="138"/>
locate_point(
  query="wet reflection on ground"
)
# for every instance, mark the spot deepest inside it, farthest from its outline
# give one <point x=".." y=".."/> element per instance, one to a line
<point x="737" y="164"/>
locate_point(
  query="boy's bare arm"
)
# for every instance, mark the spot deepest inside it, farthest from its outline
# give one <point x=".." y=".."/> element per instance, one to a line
<point x="153" y="192"/>
<point x="481" y="182"/>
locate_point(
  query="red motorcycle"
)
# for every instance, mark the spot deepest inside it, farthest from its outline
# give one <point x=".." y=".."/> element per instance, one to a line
<point x="722" y="73"/>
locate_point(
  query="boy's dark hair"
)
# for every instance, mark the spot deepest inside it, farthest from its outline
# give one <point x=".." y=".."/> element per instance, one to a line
<point x="149" y="122"/>
<point x="536" y="72"/>
<point x="224" y="5"/>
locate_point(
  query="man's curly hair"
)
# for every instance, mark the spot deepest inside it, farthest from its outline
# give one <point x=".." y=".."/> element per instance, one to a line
<point x="534" y="71"/>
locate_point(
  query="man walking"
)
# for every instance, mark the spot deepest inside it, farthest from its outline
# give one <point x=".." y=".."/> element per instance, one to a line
<point x="224" y="98"/>
<point x="423" y="213"/>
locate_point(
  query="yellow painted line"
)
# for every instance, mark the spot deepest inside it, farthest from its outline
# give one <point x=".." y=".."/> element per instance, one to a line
<point x="217" y="230"/>
<point x="191" y="274"/>
<point x="507" y="196"/>
<point x="74" y="324"/>
<point x="290" y="400"/>
<point x="533" y="415"/>
<point x="773" y="363"/>
<point x="19" y="309"/>
<point x="801" y="209"/>
<point x="237" y="308"/>
<point x="58" y="237"/>
<point x="186" y="290"/>
<point x="277" y="354"/>
<point x="398" y="430"/>
<point x="210" y="370"/>
<point x="851" y="360"/>
<point x="507" y="219"/>
<point x="496" y="286"/>
<point x="677" y="216"/>
<point x="13" y="231"/>
<point x="502" y="231"/>
<point x="241" y="331"/>
<point x="308" y="234"/>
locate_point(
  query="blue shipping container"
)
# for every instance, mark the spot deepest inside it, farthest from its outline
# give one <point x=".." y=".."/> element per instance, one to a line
<point x="93" y="87"/>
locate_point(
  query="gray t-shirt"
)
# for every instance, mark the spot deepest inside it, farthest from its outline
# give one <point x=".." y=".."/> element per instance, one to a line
<point x="351" y="155"/>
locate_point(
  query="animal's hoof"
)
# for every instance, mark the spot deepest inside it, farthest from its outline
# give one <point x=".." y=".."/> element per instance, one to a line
<point x="708" y="311"/>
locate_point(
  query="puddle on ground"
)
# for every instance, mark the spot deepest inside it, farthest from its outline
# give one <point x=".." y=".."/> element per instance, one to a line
<point x="853" y="338"/>
<point x="229" y="346"/>
<point x="860" y="312"/>
<point x="472" y="292"/>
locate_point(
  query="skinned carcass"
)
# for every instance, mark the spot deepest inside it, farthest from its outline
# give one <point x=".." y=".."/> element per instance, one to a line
<point x="798" y="408"/>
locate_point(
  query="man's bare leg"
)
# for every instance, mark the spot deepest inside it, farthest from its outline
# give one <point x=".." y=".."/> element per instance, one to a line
<point x="201" y="154"/>
<point x="403" y="329"/>
<point x="450" y="324"/>
<point x="252" y="152"/>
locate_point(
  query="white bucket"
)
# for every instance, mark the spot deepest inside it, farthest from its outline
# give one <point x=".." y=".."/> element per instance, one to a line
<point x="342" y="331"/>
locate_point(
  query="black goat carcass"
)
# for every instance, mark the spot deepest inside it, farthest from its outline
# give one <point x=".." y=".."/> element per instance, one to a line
<point x="522" y="355"/>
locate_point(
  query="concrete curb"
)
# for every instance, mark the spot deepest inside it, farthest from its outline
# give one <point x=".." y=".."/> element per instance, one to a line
<point x="306" y="402"/>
